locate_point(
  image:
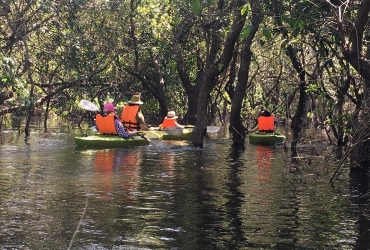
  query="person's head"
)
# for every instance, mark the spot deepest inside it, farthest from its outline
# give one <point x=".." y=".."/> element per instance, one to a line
<point x="135" y="100"/>
<point x="265" y="113"/>
<point x="109" y="108"/>
<point x="171" y="115"/>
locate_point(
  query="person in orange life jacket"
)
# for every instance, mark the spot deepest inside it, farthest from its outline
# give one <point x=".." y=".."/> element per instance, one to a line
<point x="132" y="117"/>
<point x="266" y="123"/>
<point x="170" y="121"/>
<point x="108" y="123"/>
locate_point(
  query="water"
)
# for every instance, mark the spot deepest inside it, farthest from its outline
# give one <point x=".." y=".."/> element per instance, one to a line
<point x="170" y="195"/>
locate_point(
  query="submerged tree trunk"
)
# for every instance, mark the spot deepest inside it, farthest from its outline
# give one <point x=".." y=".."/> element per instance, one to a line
<point x="237" y="129"/>
<point x="29" y="112"/>
<point x="213" y="68"/>
<point x="360" y="157"/>
<point x="352" y="49"/>
<point x="192" y="91"/>
<point x="301" y="112"/>
<point x="46" y="114"/>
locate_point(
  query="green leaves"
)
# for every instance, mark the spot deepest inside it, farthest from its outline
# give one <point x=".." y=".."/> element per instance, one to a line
<point x="196" y="7"/>
<point x="266" y="33"/>
<point x="295" y="24"/>
<point x="246" y="32"/>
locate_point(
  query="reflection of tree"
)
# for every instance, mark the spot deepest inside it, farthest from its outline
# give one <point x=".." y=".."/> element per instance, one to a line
<point x="360" y="196"/>
<point x="235" y="200"/>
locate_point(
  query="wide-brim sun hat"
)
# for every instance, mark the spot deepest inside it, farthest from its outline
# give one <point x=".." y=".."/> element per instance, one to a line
<point x="135" y="99"/>
<point x="171" y="115"/>
<point x="109" y="107"/>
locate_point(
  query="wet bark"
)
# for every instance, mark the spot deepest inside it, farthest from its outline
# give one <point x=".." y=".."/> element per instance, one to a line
<point x="46" y="115"/>
<point x="192" y="91"/>
<point x="31" y="107"/>
<point x="213" y="68"/>
<point x="238" y="131"/>
<point x="301" y="112"/>
<point x="352" y="51"/>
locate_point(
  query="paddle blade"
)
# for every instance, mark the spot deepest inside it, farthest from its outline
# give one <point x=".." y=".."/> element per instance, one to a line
<point x="213" y="129"/>
<point x="85" y="104"/>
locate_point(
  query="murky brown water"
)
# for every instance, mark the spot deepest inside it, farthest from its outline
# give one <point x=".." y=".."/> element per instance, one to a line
<point x="170" y="195"/>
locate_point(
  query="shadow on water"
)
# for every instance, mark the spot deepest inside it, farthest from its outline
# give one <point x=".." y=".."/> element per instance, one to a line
<point x="360" y="197"/>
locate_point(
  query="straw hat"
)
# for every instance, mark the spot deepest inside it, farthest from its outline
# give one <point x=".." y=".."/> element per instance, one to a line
<point x="109" y="107"/>
<point x="135" y="99"/>
<point x="171" y="115"/>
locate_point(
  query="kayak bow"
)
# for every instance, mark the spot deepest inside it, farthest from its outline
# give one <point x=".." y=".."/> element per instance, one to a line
<point x="269" y="139"/>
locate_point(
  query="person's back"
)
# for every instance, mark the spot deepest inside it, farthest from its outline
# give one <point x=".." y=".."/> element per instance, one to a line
<point x="128" y="117"/>
<point x="265" y="123"/>
<point x="131" y="115"/>
<point x="170" y="121"/>
<point x="105" y="123"/>
<point x="108" y="123"/>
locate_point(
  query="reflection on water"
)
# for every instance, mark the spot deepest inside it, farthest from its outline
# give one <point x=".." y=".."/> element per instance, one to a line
<point x="169" y="195"/>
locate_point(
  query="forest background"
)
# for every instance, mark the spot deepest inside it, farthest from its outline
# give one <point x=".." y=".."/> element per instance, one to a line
<point x="213" y="62"/>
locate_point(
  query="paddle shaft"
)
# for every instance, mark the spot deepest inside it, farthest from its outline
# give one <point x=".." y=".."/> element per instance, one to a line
<point x="141" y="135"/>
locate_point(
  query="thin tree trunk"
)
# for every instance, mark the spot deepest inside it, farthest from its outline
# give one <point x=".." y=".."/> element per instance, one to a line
<point x="30" y="109"/>
<point x="301" y="112"/>
<point x="46" y="114"/>
<point x="237" y="129"/>
<point x="212" y="69"/>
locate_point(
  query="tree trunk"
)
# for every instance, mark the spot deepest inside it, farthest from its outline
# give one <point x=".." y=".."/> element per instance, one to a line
<point x="29" y="112"/>
<point x="360" y="157"/>
<point x="238" y="131"/>
<point x="301" y="112"/>
<point x="46" y="114"/>
<point x="352" y="49"/>
<point x="213" y="68"/>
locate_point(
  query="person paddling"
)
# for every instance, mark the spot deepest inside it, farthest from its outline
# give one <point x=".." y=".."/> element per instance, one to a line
<point x="132" y="117"/>
<point x="266" y="123"/>
<point x="170" y="121"/>
<point x="108" y="123"/>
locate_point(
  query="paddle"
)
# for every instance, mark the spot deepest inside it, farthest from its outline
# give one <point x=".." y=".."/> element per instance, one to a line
<point x="213" y="129"/>
<point x="85" y="104"/>
<point x="176" y="131"/>
<point x="138" y="133"/>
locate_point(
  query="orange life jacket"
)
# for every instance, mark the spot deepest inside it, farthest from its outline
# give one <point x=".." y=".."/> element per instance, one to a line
<point x="106" y="124"/>
<point x="168" y="123"/>
<point x="128" y="117"/>
<point x="266" y="124"/>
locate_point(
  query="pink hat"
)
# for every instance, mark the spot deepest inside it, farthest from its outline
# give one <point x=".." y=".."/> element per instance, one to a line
<point x="109" y="107"/>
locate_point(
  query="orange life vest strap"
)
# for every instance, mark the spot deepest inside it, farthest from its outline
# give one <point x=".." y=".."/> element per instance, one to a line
<point x="128" y="117"/>
<point x="106" y="124"/>
<point x="168" y="123"/>
<point x="266" y="124"/>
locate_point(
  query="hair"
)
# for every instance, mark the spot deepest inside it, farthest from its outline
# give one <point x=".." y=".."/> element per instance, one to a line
<point x="265" y="113"/>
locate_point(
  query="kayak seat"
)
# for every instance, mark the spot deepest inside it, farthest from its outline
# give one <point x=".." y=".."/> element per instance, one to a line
<point x="266" y="131"/>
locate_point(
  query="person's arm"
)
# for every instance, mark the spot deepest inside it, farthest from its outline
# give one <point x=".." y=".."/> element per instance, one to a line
<point x="145" y="127"/>
<point x="121" y="131"/>
<point x="178" y="125"/>
<point x="141" y="121"/>
<point x="253" y="129"/>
